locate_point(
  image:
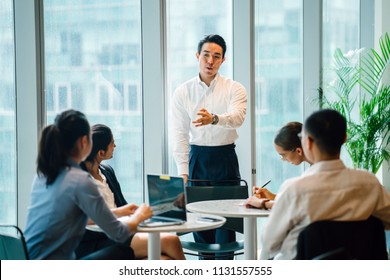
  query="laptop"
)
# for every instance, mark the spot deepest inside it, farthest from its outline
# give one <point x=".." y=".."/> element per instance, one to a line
<point x="166" y="196"/>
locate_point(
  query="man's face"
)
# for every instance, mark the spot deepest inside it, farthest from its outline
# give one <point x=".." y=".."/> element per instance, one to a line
<point x="210" y="59"/>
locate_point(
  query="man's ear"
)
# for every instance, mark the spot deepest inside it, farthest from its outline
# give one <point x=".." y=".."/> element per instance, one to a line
<point x="310" y="143"/>
<point x="197" y="55"/>
<point x="299" y="150"/>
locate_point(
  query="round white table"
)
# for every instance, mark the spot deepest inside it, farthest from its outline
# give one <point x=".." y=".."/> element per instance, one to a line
<point x="193" y="223"/>
<point x="234" y="208"/>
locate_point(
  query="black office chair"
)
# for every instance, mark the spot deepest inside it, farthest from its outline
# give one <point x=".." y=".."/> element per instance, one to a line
<point x="343" y="240"/>
<point x="12" y="243"/>
<point x="219" y="192"/>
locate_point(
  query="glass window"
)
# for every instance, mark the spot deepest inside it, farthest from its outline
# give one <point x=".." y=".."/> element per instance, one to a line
<point x="92" y="50"/>
<point x="340" y="29"/>
<point x="188" y="21"/>
<point x="132" y="100"/>
<point x="62" y="96"/>
<point x="7" y="115"/>
<point x="278" y="83"/>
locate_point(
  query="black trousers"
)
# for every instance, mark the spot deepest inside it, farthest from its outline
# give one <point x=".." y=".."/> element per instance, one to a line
<point x="214" y="164"/>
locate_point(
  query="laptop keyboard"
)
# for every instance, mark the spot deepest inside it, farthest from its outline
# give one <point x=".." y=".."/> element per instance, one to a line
<point x="155" y="219"/>
<point x="160" y="221"/>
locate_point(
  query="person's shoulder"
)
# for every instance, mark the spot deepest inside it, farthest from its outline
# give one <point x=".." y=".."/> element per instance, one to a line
<point x="233" y="86"/>
<point x="229" y="81"/>
<point x="107" y="171"/>
<point x="76" y="172"/>
<point x="187" y="84"/>
<point x="362" y="175"/>
<point x="80" y="179"/>
<point x="290" y="185"/>
<point x="360" y="171"/>
<point x="106" y="167"/>
<point x="185" y="90"/>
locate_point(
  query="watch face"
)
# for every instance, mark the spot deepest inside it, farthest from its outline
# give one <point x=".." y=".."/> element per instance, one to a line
<point x="215" y="119"/>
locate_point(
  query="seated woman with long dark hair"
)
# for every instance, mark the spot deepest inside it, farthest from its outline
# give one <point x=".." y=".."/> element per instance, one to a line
<point x="104" y="175"/>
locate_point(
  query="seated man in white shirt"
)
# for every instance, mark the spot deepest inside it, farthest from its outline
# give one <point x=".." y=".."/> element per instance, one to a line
<point x="326" y="191"/>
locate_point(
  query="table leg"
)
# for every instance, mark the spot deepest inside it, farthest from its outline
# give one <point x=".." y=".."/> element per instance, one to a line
<point x="250" y="238"/>
<point x="154" y="246"/>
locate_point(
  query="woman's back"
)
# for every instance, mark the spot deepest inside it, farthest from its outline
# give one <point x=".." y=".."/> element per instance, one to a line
<point x="55" y="222"/>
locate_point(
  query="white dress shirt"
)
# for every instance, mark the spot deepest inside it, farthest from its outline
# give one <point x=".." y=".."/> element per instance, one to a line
<point x="326" y="191"/>
<point x="224" y="97"/>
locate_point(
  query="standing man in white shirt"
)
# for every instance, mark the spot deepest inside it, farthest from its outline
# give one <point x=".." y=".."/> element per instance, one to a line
<point x="206" y="111"/>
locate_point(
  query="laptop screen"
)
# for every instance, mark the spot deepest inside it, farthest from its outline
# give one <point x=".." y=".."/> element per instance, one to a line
<point x="166" y="196"/>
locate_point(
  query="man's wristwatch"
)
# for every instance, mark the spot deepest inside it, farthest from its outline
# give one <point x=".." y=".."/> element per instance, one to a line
<point x="215" y="119"/>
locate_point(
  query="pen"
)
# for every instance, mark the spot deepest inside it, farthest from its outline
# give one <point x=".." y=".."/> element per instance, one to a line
<point x="265" y="184"/>
<point x="257" y="188"/>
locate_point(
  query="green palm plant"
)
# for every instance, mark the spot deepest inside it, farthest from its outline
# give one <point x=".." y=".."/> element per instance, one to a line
<point x="362" y="96"/>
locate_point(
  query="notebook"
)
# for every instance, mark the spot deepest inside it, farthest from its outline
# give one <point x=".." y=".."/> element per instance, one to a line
<point x="166" y="196"/>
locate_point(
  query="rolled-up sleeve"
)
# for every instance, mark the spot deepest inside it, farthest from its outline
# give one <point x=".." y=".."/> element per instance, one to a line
<point x="235" y="115"/>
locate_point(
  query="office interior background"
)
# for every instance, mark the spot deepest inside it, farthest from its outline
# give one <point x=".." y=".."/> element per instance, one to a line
<point x="119" y="61"/>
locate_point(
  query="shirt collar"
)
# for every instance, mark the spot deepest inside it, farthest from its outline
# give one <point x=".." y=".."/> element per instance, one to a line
<point x="326" y="165"/>
<point x="200" y="82"/>
<point x="72" y="163"/>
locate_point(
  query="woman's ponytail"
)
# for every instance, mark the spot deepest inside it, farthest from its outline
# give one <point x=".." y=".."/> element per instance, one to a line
<point x="58" y="140"/>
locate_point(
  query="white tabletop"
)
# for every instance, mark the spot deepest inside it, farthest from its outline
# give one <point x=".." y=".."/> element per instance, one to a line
<point x="192" y="224"/>
<point x="226" y="208"/>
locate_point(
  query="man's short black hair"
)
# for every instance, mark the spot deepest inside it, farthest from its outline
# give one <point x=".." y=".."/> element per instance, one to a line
<point x="328" y="129"/>
<point x="213" y="38"/>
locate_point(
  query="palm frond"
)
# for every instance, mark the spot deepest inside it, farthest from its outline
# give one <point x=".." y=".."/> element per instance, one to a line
<point x="373" y="66"/>
<point x="384" y="45"/>
<point x="368" y="135"/>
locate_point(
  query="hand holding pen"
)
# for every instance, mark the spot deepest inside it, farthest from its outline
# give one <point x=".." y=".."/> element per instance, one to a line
<point x="262" y="192"/>
<point x="255" y="188"/>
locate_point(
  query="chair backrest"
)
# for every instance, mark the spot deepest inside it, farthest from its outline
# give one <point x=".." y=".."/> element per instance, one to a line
<point x="12" y="243"/>
<point x="207" y="182"/>
<point x="361" y="240"/>
<point x="200" y="193"/>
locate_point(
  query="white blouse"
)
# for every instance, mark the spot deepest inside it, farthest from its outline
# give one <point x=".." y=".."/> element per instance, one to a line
<point x="105" y="191"/>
